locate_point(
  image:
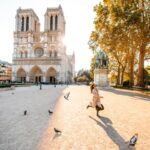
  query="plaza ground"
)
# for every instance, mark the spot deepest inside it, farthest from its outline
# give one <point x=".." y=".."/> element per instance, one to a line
<point x="125" y="114"/>
<point x="19" y="132"/>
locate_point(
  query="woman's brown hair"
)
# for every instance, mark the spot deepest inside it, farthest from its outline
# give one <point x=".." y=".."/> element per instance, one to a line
<point x="92" y="87"/>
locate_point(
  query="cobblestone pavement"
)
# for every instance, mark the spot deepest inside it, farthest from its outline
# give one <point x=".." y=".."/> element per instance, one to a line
<point x="19" y="132"/>
<point x="125" y="114"/>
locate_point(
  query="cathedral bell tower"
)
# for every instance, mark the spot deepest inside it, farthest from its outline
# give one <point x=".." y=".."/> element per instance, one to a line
<point x="27" y="21"/>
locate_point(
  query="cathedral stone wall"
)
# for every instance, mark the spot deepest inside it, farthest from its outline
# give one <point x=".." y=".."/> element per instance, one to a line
<point x="41" y="56"/>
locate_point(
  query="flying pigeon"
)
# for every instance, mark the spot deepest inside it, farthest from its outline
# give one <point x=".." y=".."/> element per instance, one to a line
<point x="67" y="96"/>
<point x="133" y="140"/>
<point x="50" y="112"/>
<point x="57" y="131"/>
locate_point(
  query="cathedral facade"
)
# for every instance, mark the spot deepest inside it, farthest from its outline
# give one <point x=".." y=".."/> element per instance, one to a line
<point x="41" y="56"/>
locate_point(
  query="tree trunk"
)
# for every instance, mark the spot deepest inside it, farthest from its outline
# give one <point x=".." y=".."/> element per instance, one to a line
<point x="122" y="75"/>
<point x="131" y="83"/>
<point x="118" y="76"/>
<point x="141" y="66"/>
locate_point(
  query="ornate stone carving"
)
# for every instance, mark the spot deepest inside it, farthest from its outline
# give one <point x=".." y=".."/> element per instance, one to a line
<point x="37" y="62"/>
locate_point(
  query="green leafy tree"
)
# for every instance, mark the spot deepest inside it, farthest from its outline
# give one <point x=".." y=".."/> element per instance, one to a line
<point x="84" y="76"/>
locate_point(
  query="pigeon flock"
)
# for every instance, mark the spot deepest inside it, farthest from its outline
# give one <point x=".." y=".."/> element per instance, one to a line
<point x="132" y="142"/>
<point x="57" y="131"/>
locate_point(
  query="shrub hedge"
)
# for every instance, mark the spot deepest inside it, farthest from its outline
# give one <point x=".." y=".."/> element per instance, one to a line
<point x="4" y="85"/>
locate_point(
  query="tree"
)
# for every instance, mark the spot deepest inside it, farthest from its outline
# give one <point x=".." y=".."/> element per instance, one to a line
<point x="93" y="66"/>
<point x="83" y="76"/>
<point x="122" y="30"/>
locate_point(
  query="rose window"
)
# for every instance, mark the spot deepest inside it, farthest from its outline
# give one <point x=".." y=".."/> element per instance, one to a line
<point x="38" y="52"/>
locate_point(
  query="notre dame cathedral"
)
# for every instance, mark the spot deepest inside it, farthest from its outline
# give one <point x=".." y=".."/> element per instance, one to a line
<point x="41" y="56"/>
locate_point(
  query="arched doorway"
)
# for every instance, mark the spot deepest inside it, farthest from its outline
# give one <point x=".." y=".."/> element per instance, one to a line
<point x="21" y="75"/>
<point x="36" y="75"/>
<point x="51" y="76"/>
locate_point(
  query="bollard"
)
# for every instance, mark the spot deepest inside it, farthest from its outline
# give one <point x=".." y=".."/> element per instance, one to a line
<point x="40" y="86"/>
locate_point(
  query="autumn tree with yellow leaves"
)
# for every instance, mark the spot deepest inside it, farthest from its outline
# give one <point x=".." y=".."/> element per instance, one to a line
<point x="122" y="30"/>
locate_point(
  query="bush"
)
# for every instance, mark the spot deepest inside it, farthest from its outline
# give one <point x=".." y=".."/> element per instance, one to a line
<point x="119" y="86"/>
<point x="147" y="80"/>
<point x="126" y="83"/>
<point x="4" y="85"/>
<point x="82" y="79"/>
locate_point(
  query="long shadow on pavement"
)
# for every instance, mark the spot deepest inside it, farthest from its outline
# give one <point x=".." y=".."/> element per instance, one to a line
<point x="128" y="93"/>
<point x="106" y="124"/>
<point x="55" y="136"/>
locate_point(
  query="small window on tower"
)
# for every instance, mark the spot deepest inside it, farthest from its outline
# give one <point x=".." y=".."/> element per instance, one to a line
<point x="27" y="24"/>
<point x="55" y="54"/>
<point x="21" y="54"/>
<point x="22" y="24"/>
<point x="50" y="54"/>
<point x="56" y="22"/>
<point x="35" y="25"/>
<point x="25" y="54"/>
<point x="51" y="23"/>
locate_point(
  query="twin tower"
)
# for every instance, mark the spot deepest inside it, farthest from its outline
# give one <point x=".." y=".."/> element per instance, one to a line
<point x="41" y="56"/>
<point x="27" y="20"/>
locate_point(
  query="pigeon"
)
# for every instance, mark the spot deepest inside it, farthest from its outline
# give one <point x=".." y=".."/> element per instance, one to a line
<point x="67" y="96"/>
<point x="57" y="131"/>
<point x="50" y="112"/>
<point x="25" y="112"/>
<point x="88" y="106"/>
<point x="133" y="140"/>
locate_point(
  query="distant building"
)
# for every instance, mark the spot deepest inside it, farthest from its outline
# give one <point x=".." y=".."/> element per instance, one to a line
<point x="5" y="71"/>
<point x="41" y="56"/>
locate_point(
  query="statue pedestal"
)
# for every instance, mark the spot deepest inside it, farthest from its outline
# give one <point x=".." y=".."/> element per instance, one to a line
<point x="101" y="77"/>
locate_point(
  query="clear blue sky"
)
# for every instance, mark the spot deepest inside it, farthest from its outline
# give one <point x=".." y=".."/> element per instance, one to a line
<point x="79" y="17"/>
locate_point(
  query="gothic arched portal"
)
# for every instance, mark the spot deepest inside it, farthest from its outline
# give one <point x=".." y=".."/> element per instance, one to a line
<point x="21" y="75"/>
<point x="36" y="74"/>
<point x="51" y="75"/>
